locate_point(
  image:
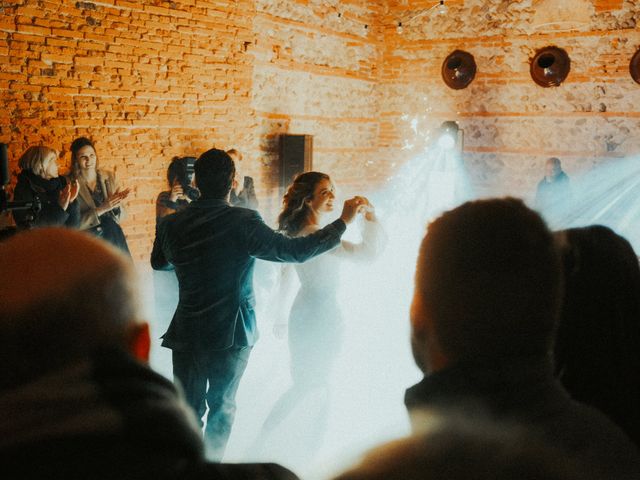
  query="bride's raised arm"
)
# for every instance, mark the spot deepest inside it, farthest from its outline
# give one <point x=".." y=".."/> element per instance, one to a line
<point x="374" y="239"/>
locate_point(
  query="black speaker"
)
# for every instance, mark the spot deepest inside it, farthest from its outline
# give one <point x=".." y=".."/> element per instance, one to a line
<point x="296" y="153"/>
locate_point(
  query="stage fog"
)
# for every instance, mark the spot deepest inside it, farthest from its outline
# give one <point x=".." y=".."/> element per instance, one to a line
<point x="375" y="86"/>
<point x="374" y="365"/>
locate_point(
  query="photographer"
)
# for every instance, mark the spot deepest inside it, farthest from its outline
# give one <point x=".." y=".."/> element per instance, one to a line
<point x="181" y="193"/>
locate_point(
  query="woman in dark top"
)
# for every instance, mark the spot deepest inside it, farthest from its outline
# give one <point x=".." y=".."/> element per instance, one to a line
<point x="54" y="197"/>
<point x="165" y="283"/>
<point x="100" y="197"/>
<point x="176" y="198"/>
<point x="597" y="351"/>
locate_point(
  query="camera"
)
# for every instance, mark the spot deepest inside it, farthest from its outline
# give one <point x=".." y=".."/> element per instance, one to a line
<point x="187" y="178"/>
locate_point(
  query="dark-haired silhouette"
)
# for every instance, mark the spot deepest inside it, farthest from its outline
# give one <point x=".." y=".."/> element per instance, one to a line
<point x="597" y="352"/>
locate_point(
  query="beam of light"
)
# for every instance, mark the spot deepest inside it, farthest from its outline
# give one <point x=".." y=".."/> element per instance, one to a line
<point x="414" y="125"/>
<point x="375" y="364"/>
<point x="607" y="195"/>
<point x="446" y="141"/>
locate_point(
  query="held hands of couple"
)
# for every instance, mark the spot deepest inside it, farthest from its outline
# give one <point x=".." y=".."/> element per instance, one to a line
<point x="68" y="194"/>
<point x="356" y="205"/>
<point x="113" y="201"/>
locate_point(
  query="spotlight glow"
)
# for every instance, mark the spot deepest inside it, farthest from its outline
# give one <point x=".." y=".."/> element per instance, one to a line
<point x="446" y="141"/>
<point x="606" y="195"/>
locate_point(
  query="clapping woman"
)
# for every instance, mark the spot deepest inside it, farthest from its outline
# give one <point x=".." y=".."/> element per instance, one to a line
<point x="100" y="197"/>
<point x="53" y="196"/>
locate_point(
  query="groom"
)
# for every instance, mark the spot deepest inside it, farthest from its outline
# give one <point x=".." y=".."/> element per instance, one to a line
<point x="213" y="247"/>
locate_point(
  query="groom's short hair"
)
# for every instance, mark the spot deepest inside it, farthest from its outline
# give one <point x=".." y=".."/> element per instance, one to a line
<point x="489" y="276"/>
<point x="214" y="173"/>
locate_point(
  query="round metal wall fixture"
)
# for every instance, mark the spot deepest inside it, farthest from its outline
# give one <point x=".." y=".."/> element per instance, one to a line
<point x="550" y="66"/>
<point x="634" y="67"/>
<point x="458" y="69"/>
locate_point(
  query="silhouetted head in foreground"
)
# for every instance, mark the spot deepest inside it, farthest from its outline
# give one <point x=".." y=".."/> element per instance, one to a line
<point x="487" y="286"/>
<point x="468" y="451"/>
<point x="63" y="296"/>
<point x="597" y="353"/>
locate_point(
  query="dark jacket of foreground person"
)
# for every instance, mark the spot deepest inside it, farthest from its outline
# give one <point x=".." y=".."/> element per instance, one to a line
<point x="213" y="247"/>
<point x="523" y="392"/>
<point x="107" y="418"/>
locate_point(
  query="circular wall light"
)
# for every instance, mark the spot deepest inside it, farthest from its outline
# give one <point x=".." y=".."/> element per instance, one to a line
<point x="550" y="66"/>
<point x="458" y="69"/>
<point x="634" y="66"/>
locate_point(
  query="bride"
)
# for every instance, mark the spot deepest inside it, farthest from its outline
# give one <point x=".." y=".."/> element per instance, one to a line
<point x="315" y="323"/>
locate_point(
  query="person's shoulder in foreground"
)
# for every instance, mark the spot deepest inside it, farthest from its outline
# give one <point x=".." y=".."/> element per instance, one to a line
<point x="484" y="313"/>
<point x="77" y="395"/>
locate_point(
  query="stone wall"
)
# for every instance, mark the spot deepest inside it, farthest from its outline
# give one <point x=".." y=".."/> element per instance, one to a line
<point x="510" y="124"/>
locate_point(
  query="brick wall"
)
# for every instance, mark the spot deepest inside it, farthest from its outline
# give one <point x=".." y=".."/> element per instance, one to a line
<point x="150" y="80"/>
<point x="316" y="72"/>
<point x="146" y="80"/>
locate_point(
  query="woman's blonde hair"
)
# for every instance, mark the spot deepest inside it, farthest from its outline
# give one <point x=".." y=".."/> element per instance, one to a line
<point x="36" y="159"/>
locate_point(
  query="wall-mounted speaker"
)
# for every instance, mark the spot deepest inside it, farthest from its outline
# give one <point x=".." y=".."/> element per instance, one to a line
<point x="634" y="66"/>
<point x="458" y="69"/>
<point x="296" y="154"/>
<point x="550" y="66"/>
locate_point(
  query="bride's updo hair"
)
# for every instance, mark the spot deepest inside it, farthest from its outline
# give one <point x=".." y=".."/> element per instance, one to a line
<point x="294" y="208"/>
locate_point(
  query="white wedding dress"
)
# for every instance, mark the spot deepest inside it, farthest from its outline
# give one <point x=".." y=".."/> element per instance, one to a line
<point x="315" y="327"/>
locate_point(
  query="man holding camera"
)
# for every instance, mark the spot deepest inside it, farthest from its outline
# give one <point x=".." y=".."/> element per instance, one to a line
<point x="213" y="247"/>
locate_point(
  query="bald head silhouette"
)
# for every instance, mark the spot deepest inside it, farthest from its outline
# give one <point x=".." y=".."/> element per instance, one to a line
<point x="64" y="295"/>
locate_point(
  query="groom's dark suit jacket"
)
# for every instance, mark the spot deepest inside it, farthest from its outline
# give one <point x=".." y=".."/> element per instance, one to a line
<point x="213" y="247"/>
